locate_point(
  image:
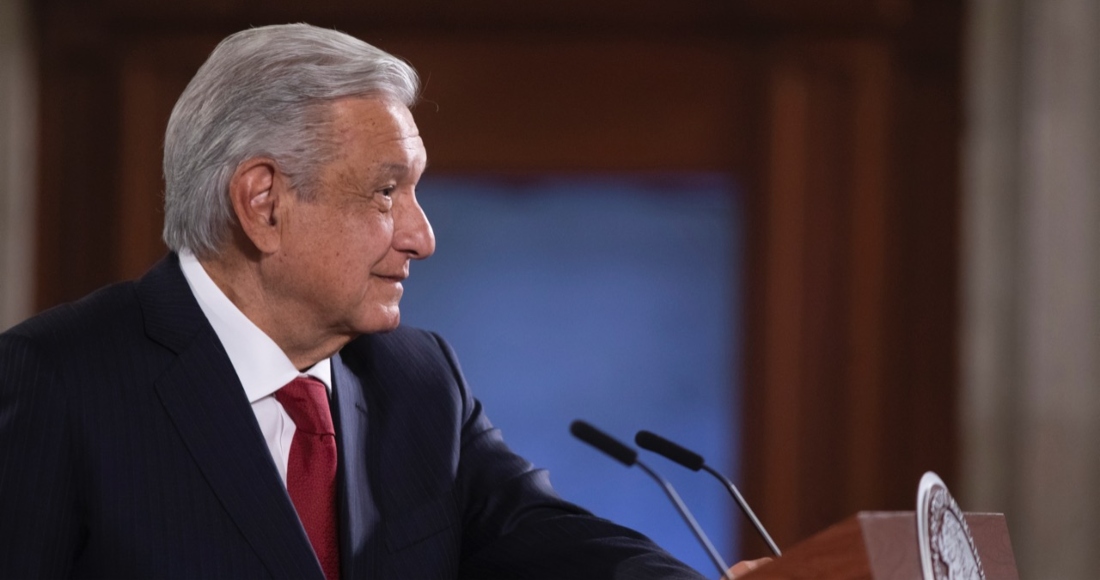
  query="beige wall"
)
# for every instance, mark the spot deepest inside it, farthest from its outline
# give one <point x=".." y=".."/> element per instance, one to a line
<point x="1031" y="310"/>
<point x="17" y="172"/>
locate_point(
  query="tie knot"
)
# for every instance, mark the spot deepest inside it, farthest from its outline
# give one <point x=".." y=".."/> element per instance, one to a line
<point x="306" y="401"/>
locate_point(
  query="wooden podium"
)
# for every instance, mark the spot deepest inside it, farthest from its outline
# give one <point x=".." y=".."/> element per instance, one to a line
<point x="885" y="546"/>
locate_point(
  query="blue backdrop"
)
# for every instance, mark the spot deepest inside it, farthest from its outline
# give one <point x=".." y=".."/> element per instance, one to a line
<point x="607" y="298"/>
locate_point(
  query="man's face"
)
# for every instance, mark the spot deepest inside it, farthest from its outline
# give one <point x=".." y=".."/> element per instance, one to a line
<point x="345" y="253"/>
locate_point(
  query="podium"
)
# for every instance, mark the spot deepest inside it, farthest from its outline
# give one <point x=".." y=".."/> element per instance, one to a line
<point x="885" y="546"/>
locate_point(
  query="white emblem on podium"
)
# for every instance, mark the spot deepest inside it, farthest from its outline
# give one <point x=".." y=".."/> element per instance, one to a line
<point x="947" y="549"/>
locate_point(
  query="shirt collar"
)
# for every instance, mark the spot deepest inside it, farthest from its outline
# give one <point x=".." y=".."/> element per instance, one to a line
<point x="261" y="365"/>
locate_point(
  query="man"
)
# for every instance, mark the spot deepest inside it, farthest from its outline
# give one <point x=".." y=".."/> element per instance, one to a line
<point x="250" y="407"/>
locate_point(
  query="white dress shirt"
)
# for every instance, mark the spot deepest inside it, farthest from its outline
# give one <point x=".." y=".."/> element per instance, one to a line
<point x="261" y="365"/>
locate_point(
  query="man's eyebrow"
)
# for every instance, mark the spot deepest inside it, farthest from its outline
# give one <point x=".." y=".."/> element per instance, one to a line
<point x="396" y="168"/>
<point x="391" y="168"/>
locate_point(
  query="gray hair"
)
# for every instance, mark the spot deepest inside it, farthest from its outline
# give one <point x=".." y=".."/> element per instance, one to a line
<point x="263" y="92"/>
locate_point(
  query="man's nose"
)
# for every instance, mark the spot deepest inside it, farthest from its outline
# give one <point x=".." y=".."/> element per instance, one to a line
<point x="412" y="233"/>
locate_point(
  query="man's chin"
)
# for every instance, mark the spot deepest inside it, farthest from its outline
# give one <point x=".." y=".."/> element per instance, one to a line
<point x="385" y="321"/>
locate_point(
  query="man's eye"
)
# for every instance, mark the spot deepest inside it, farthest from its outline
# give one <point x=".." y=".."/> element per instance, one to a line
<point x="388" y="191"/>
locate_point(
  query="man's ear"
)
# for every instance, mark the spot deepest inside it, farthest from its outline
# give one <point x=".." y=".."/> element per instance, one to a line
<point x="254" y="191"/>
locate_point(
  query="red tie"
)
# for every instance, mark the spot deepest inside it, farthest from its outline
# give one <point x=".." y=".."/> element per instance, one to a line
<point x="311" y="469"/>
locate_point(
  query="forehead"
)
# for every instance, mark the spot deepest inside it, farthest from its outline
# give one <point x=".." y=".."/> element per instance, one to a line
<point x="378" y="126"/>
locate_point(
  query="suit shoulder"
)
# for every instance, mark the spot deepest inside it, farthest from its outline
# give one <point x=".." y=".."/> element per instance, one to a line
<point x="89" y="319"/>
<point x="39" y="355"/>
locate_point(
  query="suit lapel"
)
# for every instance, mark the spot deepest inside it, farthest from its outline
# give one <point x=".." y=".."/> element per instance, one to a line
<point x="207" y="404"/>
<point x="359" y="516"/>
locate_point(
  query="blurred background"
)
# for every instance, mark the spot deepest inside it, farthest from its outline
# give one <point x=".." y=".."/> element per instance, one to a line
<point x="832" y="243"/>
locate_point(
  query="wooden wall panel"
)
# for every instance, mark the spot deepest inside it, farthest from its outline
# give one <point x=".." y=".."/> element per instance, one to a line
<point x="78" y="130"/>
<point x="852" y="374"/>
<point x="819" y="370"/>
<point x="553" y="104"/>
<point x="924" y="277"/>
<point x="839" y="13"/>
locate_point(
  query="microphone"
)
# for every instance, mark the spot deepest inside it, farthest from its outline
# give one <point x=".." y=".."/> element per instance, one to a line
<point x="629" y="457"/>
<point x="694" y="461"/>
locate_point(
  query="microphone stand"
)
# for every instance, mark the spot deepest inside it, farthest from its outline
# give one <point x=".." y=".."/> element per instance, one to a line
<point x="688" y="518"/>
<point x="744" y="508"/>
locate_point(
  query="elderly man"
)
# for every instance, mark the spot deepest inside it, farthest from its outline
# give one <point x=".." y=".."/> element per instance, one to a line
<point x="250" y="407"/>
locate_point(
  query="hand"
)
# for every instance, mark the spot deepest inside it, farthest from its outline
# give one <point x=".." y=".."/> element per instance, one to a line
<point x="745" y="566"/>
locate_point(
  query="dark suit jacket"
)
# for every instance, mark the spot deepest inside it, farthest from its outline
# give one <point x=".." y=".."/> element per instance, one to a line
<point x="128" y="449"/>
